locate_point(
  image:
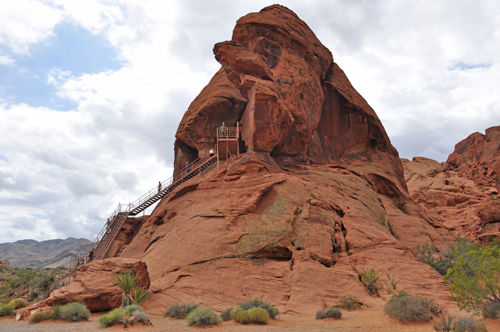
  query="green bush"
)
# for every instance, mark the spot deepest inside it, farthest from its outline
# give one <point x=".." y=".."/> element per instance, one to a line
<point x="75" y="312"/>
<point x="370" y="278"/>
<point x="469" y="324"/>
<point x="348" y="302"/>
<point x="56" y="312"/>
<point x="6" y="309"/>
<point x="491" y="309"/>
<point x="320" y="314"/>
<point x="333" y="313"/>
<point x="476" y="278"/>
<point x="203" y="316"/>
<point x="180" y="310"/>
<point x="445" y="324"/>
<point x="258" y="315"/>
<point x="240" y="315"/>
<point x="41" y="316"/>
<point x="411" y="308"/>
<point x="111" y="318"/>
<point x="256" y="303"/>
<point x="18" y="303"/>
<point x="33" y="296"/>
<point x="226" y="314"/>
<point x="128" y="310"/>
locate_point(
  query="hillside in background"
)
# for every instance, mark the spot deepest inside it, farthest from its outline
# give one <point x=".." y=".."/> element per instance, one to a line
<point x="50" y="253"/>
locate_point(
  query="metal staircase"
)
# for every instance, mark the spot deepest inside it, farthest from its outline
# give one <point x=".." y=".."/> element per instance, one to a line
<point x="108" y="234"/>
<point x="60" y="273"/>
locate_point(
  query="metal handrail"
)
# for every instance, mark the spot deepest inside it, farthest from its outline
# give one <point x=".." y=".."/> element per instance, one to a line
<point x="156" y="192"/>
<point x="27" y="288"/>
<point x="227" y="132"/>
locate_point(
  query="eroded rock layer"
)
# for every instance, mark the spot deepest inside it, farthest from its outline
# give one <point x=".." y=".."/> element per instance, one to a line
<point x="317" y="196"/>
<point x="462" y="195"/>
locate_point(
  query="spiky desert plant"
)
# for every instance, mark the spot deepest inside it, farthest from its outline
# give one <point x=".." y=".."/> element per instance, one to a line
<point x="140" y="294"/>
<point x="126" y="281"/>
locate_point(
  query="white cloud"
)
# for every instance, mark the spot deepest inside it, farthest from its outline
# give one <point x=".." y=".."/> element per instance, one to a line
<point x="25" y="22"/>
<point x="429" y="69"/>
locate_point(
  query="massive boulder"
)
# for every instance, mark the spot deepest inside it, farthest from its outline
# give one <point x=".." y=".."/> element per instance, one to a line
<point x="93" y="284"/>
<point x="317" y="196"/>
<point x="461" y="195"/>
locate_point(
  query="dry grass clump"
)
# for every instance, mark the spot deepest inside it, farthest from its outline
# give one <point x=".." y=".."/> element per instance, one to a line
<point x="18" y="303"/>
<point x="348" y="302"/>
<point x="6" y="309"/>
<point x="180" y="310"/>
<point x="411" y="308"/>
<point x="203" y="316"/>
<point x="226" y="314"/>
<point x="332" y="312"/>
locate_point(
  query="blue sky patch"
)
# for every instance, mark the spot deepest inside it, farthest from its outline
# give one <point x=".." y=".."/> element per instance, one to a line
<point x="466" y="66"/>
<point x="71" y="48"/>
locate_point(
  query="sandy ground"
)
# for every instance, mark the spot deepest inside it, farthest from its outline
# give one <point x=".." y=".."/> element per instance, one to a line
<point x="361" y="320"/>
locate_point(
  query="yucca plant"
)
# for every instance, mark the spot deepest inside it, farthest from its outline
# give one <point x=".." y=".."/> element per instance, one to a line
<point x="140" y="294"/>
<point x="126" y="281"/>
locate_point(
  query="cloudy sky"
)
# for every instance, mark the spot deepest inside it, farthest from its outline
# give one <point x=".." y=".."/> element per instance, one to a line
<point x="92" y="92"/>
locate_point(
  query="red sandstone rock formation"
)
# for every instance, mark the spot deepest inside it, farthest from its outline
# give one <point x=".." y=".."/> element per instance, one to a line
<point x="318" y="196"/>
<point x="3" y="266"/>
<point x="93" y="284"/>
<point x="463" y="196"/>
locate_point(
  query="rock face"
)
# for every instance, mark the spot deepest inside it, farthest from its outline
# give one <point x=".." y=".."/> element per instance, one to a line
<point x="318" y="196"/>
<point x="3" y="266"/>
<point x="93" y="284"/>
<point x="463" y="195"/>
<point x="292" y="100"/>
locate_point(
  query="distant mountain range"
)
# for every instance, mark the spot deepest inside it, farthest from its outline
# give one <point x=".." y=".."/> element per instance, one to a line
<point x="50" y="253"/>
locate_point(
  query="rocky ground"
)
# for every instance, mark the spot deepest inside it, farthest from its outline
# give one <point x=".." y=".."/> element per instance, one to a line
<point x="354" y="321"/>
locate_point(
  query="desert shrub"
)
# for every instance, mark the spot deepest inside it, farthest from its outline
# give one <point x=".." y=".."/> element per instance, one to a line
<point x="370" y="278"/>
<point x="44" y="282"/>
<point x="348" y="302"/>
<point x="126" y="281"/>
<point x="140" y="316"/>
<point x="226" y="314"/>
<point x="411" y="308"/>
<point x="33" y="296"/>
<point x="111" y="318"/>
<point x="333" y="313"/>
<point x="18" y="303"/>
<point x="476" y="278"/>
<point x="180" y="310"/>
<point x="491" y="309"/>
<point x="445" y="324"/>
<point x="6" y="309"/>
<point x="128" y="310"/>
<point x="440" y="264"/>
<point x="469" y="324"/>
<point x="75" y="312"/>
<point x="240" y="315"/>
<point x="256" y="303"/>
<point x="320" y="314"/>
<point x="41" y="316"/>
<point x="56" y="312"/>
<point x="258" y="315"/>
<point x="203" y="316"/>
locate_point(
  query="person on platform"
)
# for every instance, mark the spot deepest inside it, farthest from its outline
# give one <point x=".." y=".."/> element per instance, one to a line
<point x="223" y="129"/>
<point x="91" y="255"/>
<point x="188" y="167"/>
<point x="159" y="187"/>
